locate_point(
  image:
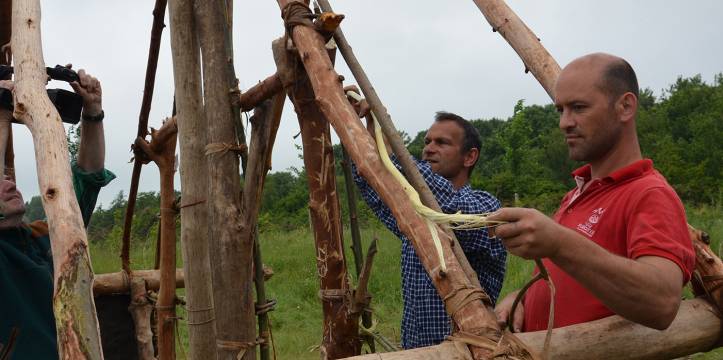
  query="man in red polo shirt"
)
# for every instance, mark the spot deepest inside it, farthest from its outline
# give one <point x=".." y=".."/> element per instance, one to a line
<point x="618" y="243"/>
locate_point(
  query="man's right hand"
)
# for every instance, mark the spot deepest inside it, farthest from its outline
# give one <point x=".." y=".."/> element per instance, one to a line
<point x="503" y="308"/>
<point x="361" y="107"/>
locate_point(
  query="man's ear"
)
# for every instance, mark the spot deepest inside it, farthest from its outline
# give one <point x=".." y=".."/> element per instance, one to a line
<point x="627" y="107"/>
<point x="471" y="157"/>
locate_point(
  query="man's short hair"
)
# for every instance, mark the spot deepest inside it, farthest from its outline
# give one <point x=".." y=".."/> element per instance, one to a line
<point x="619" y="78"/>
<point x="471" y="138"/>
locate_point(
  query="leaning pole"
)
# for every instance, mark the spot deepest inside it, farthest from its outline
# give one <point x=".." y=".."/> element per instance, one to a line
<point x="75" y="317"/>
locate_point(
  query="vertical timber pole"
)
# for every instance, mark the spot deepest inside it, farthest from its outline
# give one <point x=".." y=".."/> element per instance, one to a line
<point x="340" y="326"/>
<point x="7" y="156"/>
<point x="161" y="150"/>
<point x="75" y="317"/>
<point x="231" y="256"/>
<point x="192" y="128"/>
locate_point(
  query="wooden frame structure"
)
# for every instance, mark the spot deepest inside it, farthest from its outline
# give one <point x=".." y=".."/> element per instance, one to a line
<point x="219" y="216"/>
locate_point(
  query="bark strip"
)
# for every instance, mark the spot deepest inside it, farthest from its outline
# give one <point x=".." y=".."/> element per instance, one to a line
<point x="405" y="158"/>
<point x="192" y="139"/>
<point x="231" y="255"/>
<point x="158" y="12"/>
<point x="525" y="43"/>
<point x="75" y="316"/>
<point x="470" y="316"/>
<point x="162" y="150"/>
<point x="340" y="327"/>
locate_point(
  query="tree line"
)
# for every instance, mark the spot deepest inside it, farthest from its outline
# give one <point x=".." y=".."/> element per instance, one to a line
<point x="523" y="162"/>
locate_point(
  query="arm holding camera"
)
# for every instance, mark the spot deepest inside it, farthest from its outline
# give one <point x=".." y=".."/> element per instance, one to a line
<point x="91" y="152"/>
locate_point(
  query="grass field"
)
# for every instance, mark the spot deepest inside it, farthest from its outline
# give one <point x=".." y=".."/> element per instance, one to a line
<point x="296" y="322"/>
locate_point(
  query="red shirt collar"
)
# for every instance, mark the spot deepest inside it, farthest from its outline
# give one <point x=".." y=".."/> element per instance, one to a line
<point x="633" y="170"/>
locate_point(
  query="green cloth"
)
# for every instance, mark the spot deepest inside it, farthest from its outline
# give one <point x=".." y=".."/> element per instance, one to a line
<point x="26" y="277"/>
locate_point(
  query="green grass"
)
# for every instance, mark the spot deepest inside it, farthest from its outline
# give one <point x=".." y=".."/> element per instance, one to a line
<point x="296" y="322"/>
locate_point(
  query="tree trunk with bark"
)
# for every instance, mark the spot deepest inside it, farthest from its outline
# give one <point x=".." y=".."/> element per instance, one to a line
<point x="472" y="316"/>
<point x="525" y="43"/>
<point x="75" y="316"/>
<point x="340" y="326"/>
<point x="192" y="135"/>
<point x="231" y="256"/>
<point x="162" y="150"/>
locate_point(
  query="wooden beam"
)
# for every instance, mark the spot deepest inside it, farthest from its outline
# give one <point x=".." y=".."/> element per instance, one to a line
<point x="231" y="255"/>
<point x="260" y="92"/>
<point x="696" y="328"/>
<point x="162" y="151"/>
<point x="340" y="325"/>
<point x="409" y="168"/>
<point x="470" y="316"/>
<point x="118" y="282"/>
<point x="75" y="317"/>
<point x="525" y="43"/>
<point x="192" y="140"/>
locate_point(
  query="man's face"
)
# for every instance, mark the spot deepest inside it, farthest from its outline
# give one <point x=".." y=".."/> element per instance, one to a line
<point x="443" y="149"/>
<point x="587" y="116"/>
<point x="11" y="201"/>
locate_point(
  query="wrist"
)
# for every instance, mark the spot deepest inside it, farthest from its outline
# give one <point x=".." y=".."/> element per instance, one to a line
<point x="88" y="118"/>
<point x="92" y="110"/>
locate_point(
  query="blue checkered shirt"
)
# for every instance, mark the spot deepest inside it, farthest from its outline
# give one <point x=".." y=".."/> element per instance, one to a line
<point x="425" y="321"/>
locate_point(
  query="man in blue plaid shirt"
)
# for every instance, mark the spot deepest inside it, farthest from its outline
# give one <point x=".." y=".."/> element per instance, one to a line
<point x="450" y="153"/>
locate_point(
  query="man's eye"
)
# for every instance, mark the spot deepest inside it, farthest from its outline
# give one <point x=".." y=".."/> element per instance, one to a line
<point x="578" y="107"/>
<point x="559" y="109"/>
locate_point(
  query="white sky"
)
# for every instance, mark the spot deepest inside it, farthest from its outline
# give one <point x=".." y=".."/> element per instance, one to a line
<point x="422" y="56"/>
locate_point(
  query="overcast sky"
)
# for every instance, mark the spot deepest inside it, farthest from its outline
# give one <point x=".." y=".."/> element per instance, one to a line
<point x="421" y="56"/>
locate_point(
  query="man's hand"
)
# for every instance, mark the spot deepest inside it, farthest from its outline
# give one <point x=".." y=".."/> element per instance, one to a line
<point x="361" y="107"/>
<point x="503" y="308"/>
<point x="528" y="233"/>
<point x="89" y="88"/>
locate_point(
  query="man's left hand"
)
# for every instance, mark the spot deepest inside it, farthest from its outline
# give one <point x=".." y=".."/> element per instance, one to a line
<point x="528" y="233"/>
<point x="89" y="88"/>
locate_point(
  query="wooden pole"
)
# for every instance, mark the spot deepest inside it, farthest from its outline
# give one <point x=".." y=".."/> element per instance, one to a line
<point x="266" y="118"/>
<point x="192" y="139"/>
<point x="340" y="326"/>
<point x="472" y="316"/>
<point x="355" y="236"/>
<point x="390" y="132"/>
<point x="162" y="150"/>
<point x="231" y="256"/>
<point x="75" y="316"/>
<point x="696" y="328"/>
<point x="260" y="92"/>
<point x="708" y="276"/>
<point x="156" y="30"/>
<point x="525" y="43"/>
<point x="118" y="282"/>
<point x="141" y="309"/>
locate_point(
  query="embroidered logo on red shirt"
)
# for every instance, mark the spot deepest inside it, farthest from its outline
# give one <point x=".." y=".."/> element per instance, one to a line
<point x="588" y="227"/>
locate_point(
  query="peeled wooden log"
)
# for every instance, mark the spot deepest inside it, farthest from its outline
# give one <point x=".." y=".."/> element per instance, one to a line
<point x="696" y="328"/>
<point x="471" y="316"/>
<point x="75" y="316"/>
<point x="340" y="325"/>
<point x="162" y="150"/>
<point x="260" y="92"/>
<point x="117" y="282"/>
<point x="141" y="309"/>
<point x="523" y="41"/>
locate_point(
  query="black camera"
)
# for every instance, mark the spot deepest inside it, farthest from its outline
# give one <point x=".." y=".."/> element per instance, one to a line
<point x="68" y="103"/>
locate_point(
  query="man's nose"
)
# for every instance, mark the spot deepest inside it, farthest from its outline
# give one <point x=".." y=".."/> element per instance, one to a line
<point x="566" y="120"/>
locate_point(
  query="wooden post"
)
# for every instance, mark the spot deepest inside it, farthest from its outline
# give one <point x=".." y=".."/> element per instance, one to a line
<point x="355" y="236"/>
<point x="192" y="139"/>
<point x="390" y="132"/>
<point x="265" y="120"/>
<point x="472" y="316"/>
<point x="117" y="282"/>
<point x="156" y="30"/>
<point x="260" y="92"/>
<point x="527" y="45"/>
<point x="75" y="316"/>
<point x="141" y="310"/>
<point x="231" y="256"/>
<point x="340" y="327"/>
<point x="696" y="328"/>
<point x="162" y="150"/>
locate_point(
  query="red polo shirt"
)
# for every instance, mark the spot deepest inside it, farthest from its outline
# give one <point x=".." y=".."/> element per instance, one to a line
<point x="633" y="212"/>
